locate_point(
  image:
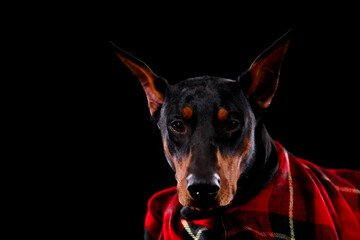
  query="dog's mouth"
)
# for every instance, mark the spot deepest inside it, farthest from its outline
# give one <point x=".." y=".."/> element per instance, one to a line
<point x="204" y="206"/>
<point x="190" y="213"/>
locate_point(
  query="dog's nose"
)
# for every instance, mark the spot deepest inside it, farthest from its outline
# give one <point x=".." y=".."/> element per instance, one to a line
<point x="203" y="189"/>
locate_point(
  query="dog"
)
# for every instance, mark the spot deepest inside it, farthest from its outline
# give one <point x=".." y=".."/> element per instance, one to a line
<point x="233" y="180"/>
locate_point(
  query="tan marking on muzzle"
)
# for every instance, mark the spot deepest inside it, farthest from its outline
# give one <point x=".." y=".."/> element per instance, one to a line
<point x="180" y="167"/>
<point x="180" y="175"/>
<point x="229" y="172"/>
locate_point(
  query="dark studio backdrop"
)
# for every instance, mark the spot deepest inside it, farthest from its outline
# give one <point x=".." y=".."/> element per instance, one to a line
<point x="119" y="160"/>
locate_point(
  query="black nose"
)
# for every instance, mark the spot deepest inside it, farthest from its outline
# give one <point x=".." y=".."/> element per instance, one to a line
<point x="203" y="189"/>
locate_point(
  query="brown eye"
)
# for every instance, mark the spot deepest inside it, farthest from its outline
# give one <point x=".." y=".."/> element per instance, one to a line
<point x="178" y="126"/>
<point x="232" y="126"/>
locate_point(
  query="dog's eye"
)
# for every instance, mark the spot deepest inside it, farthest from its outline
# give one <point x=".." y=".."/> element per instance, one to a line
<point x="178" y="126"/>
<point x="232" y="125"/>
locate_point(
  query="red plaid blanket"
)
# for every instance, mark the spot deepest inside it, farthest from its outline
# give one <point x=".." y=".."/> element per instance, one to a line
<point x="303" y="201"/>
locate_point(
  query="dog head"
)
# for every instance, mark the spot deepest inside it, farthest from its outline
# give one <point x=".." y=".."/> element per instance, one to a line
<point x="207" y="124"/>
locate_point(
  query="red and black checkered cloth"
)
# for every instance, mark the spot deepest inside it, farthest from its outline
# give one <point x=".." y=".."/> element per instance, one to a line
<point x="303" y="201"/>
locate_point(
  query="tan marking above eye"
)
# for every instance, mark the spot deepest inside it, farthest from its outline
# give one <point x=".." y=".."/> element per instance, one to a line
<point x="222" y="114"/>
<point x="187" y="112"/>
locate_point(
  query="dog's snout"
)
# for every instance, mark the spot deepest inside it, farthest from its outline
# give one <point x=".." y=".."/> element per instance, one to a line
<point x="203" y="189"/>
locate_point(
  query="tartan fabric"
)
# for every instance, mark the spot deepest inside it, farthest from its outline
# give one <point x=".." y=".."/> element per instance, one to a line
<point x="303" y="201"/>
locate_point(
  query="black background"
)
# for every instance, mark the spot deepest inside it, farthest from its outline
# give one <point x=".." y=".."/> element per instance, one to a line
<point x="111" y="154"/>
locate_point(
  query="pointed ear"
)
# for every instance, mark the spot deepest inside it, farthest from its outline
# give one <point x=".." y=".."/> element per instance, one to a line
<point x="153" y="85"/>
<point x="261" y="80"/>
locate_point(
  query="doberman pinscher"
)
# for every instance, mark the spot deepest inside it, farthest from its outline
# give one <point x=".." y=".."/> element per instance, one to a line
<point x="214" y="137"/>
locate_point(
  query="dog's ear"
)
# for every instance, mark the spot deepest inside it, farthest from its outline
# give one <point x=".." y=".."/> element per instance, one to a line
<point x="260" y="81"/>
<point x="153" y="85"/>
